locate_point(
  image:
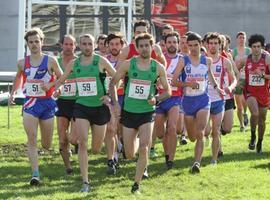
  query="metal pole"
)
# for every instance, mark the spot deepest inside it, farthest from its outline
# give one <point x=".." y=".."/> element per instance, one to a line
<point x="21" y="29"/>
<point x="8" y="108"/>
<point x="129" y="23"/>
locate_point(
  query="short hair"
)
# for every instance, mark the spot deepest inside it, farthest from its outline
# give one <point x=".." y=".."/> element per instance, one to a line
<point x="144" y="36"/>
<point x="228" y="38"/>
<point x="102" y="37"/>
<point x="34" y="31"/>
<point x="204" y="39"/>
<point x="167" y="27"/>
<point x="173" y="34"/>
<point x="87" y="35"/>
<point x="213" y="35"/>
<point x="113" y="36"/>
<point x="241" y="33"/>
<point x="140" y="23"/>
<point x="67" y="36"/>
<point x="256" y="38"/>
<point x="194" y="36"/>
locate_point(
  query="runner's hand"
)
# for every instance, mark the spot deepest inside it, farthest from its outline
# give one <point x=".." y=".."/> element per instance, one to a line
<point x="152" y="100"/>
<point x="57" y="93"/>
<point x="45" y="86"/>
<point x="221" y="91"/>
<point x="105" y="99"/>
<point x="11" y="100"/>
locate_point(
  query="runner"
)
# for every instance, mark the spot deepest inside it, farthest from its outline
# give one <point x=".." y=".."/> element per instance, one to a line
<point x="167" y="112"/>
<point x="195" y="69"/>
<point x="90" y="110"/>
<point x="102" y="48"/>
<point x="115" y="44"/>
<point x="65" y="103"/>
<point x="240" y="52"/>
<point x="38" y="73"/>
<point x="139" y="103"/>
<point x="219" y="68"/>
<point x="257" y="75"/>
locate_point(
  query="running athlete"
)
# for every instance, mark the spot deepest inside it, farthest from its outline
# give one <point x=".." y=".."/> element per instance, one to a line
<point x="195" y="69"/>
<point x="139" y="104"/>
<point x="38" y="73"/>
<point x="115" y="44"/>
<point x="65" y="103"/>
<point x="168" y="111"/>
<point x="130" y="51"/>
<point x="90" y="109"/>
<point x="240" y="52"/>
<point x="256" y="89"/>
<point x="220" y="67"/>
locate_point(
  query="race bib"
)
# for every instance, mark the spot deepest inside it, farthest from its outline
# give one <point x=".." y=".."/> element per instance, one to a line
<point x="256" y="80"/>
<point x="200" y="89"/>
<point x="87" y="86"/>
<point x="33" y="88"/>
<point x="69" y="88"/>
<point x="139" y="89"/>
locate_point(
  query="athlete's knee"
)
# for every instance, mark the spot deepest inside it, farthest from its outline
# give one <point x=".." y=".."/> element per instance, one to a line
<point x="255" y="115"/>
<point x="143" y="148"/>
<point x="129" y="154"/>
<point x="171" y="130"/>
<point x="192" y="138"/>
<point x="46" y="145"/>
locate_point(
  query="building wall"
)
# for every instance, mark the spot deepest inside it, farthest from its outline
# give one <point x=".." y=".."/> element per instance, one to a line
<point x="8" y="35"/>
<point x="230" y="16"/>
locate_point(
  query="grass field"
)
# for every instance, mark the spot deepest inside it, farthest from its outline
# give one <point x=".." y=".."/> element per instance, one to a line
<point x="240" y="174"/>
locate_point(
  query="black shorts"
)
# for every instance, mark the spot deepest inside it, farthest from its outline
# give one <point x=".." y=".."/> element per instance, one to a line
<point x="135" y="120"/>
<point x="229" y="104"/>
<point x="65" y="108"/>
<point x="95" y="115"/>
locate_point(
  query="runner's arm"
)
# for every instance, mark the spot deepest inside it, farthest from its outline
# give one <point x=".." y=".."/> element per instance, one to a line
<point x="120" y="73"/>
<point x="165" y="85"/>
<point x="160" y="56"/>
<point x="231" y="75"/>
<point x="18" y="79"/>
<point x="179" y="68"/>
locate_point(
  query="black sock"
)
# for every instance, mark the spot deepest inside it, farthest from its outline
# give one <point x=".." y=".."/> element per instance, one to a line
<point x="166" y="158"/>
<point x="253" y="134"/>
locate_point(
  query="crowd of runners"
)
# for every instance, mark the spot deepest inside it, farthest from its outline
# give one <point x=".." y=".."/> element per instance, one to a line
<point x="182" y="87"/>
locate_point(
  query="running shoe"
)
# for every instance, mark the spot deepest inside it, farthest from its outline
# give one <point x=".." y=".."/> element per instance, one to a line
<point x="220" y="154"/>
<point x="213" y="163"/>
<point x="135" y="188"/>
<point x="35" y="181"/>
<point x="183" y="140"/>
<point x="69" y="171"/>
<point x="111" y="169"/>
<point x="145" y="173"/>
<point x="169" y="165"/>
<point x="85" y="187"/>
<point x="195" y="168"/>
<point x="153" y="153"/>
<point x="251" y="144"/>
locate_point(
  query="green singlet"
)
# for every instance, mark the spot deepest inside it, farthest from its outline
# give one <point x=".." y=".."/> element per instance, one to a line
<point x="140" y="87"/>
<point x="90" y="82"/>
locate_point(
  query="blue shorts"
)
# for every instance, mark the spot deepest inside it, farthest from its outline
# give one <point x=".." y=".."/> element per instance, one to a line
<point x="217" y="107"/>
<point x="40" y="108"/>
<point x="166" y="105"/>
<point x="192" y="104"/>
<point x="121" y="100"/>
